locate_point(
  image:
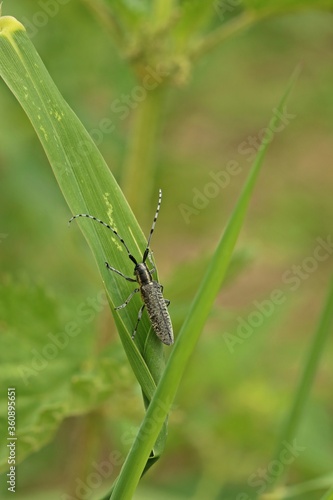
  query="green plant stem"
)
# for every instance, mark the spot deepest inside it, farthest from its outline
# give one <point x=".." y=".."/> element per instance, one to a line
<point x="162" y="11"/>
<point x="138" y="177"/>
<point x="310" y="367"/>
<point x="227" y="30"/>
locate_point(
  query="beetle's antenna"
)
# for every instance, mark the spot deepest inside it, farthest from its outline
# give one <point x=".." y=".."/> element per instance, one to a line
<point x="109" y="227"/>
<point x="146" y="252"/>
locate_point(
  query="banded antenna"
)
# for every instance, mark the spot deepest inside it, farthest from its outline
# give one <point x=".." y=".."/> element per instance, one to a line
<point x="146" y="252"/>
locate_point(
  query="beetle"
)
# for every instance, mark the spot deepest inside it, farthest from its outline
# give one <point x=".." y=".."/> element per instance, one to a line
<point x="151" y="290"/>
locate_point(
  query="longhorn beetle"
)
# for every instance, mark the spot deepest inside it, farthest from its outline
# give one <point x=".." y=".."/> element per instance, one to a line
<point x="151" y="291"/>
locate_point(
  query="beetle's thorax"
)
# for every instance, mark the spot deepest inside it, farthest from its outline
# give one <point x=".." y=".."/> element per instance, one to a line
<point x="142" y="274"/>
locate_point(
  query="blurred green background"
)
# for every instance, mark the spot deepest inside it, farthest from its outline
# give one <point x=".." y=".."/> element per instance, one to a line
<point x="228" y="413"/>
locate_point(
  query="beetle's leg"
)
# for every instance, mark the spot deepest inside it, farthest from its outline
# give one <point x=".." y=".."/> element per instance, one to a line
<point x="136" y="290"/>
<point x="110" y="268"/>
<point x="138" y="320"/>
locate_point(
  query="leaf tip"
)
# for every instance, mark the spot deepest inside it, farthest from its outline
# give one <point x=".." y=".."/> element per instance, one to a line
<point x="8" y="25"/>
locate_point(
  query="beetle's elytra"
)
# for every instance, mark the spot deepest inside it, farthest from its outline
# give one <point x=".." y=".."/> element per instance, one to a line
<point x="151" y="291"/>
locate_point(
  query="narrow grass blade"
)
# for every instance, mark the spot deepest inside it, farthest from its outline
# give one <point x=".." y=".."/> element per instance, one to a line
<point x="191" y="329"/>
<point x="324" y="330"/>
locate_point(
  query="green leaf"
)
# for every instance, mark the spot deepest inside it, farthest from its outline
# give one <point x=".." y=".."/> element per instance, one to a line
<point x="49" y="362"/>
<point x="88" y="187"/>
